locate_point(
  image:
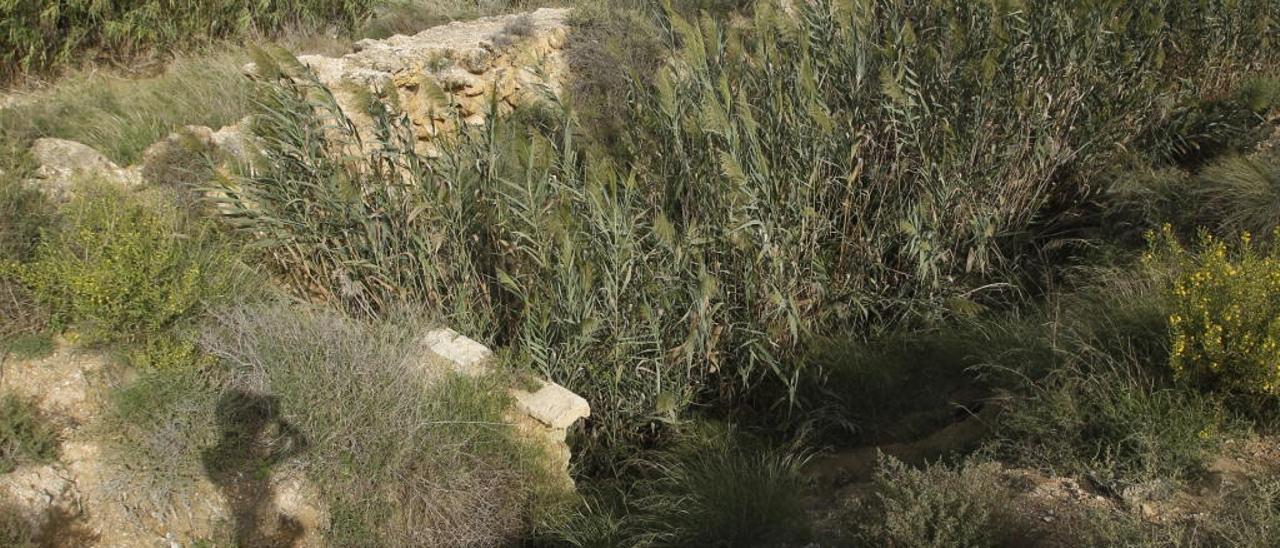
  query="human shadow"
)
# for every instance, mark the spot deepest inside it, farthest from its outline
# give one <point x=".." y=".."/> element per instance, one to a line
<point x="253" y="439"/>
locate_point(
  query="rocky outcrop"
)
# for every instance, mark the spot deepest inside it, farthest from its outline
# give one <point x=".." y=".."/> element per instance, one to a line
<point x="451" y="73"/>
<point x="542" y="411"/>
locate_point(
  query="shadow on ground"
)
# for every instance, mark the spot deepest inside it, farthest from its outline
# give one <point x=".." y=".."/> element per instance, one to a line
<point x="254" y="438"/>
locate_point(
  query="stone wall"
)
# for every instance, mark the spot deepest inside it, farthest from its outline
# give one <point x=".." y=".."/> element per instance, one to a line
<point x="455" y="73"/>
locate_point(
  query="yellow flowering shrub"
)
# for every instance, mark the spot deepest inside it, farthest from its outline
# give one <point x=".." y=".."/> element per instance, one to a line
<point x="121" y="269"/>
<point x="1225" y="317"/>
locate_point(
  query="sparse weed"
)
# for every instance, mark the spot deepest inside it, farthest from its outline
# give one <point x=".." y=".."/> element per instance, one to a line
<point x="28" y="347"/>
<point x="26" y="436"/>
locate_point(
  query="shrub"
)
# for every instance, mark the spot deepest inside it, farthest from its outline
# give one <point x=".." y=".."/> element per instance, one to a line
<point x="157" y="423"/>
<point x="122" y="269"/>
<point x="1224" y="324"/>
<point x="1246" y="516"/>
<point x="1240" y="194"/>
<point x="25" y="436"/>
<point x="937" y="506"/>
<point x="24" y="213"/>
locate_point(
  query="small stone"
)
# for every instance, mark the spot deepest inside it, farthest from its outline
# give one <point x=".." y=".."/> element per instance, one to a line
<point x="552" y="405"/>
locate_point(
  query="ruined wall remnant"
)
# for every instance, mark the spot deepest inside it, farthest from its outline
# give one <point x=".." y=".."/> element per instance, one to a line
<point x="452" y="73"/>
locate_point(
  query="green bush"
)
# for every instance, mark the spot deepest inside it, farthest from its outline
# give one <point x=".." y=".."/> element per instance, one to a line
<point x="937" y="506"/>
<point x="37" y="36"/>
<point x="712" y="486"/>
<point x="24" y="213"/>
<point x="25" y="436"/>
<point x="1225" y="321"/>
<point x="122" y="269"/>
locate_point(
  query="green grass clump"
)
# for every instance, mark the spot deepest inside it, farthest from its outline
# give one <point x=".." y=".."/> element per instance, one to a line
<point x="1110" y="419"/>
<point x="122" y="117"/>
<point x="712" y="486"/>
<point x="1102" y="403"/>
<point x="26" y="437"/>
<point x="37" y="37"/>
<point x="28" y="347"/>
<point x="122" y="267"/>
<point x="1240" y="194"/>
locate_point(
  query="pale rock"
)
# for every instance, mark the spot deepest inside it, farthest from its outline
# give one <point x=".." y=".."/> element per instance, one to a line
<point x="61" y="163"/>
<point x="460" y="59"/>
<point x="552" y="405"/>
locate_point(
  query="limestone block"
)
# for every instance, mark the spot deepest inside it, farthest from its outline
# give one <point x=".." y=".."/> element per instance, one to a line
<point x="62" y="162"/>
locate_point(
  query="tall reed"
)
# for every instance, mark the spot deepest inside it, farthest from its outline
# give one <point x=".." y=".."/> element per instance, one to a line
<point x="842" y="169"/>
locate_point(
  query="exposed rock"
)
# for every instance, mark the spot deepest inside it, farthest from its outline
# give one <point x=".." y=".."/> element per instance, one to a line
<point x="450" y="72"/>
<point x="463" y="355"/>
<point x="543" y="413"/>
<point x="62" y="162"/>
<point x="37" y="492"/>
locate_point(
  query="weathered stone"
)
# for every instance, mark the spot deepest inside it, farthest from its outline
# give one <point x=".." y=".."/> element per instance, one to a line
<point x="463" y="355"/>
<point x="459" y="61"/>
<point x="552" y="405"/>
<point x="37" y="492"/>
<point x="62" y="163"/>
